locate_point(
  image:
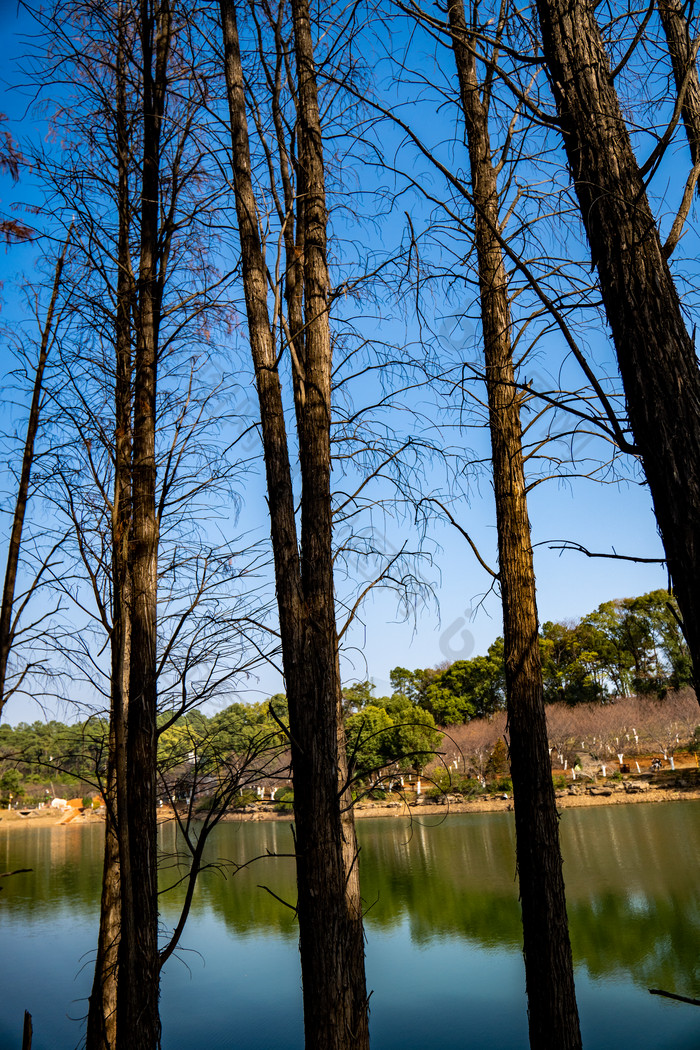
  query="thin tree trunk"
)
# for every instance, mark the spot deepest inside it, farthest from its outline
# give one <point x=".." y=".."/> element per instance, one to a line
<point x="101" y="1031"/>
<point x="138" y="1025"/>
<point x="8" y="594"/>
<point x="685" y="70"/>
<point x="655" y="353"/>
<point x="552" y="1010"/>
<point x="102" y="1008"/>
<point x="335" y="1016"/>
<point x="328" y="906"/>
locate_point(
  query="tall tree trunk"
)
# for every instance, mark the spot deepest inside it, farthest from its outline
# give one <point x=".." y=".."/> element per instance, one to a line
<point x="101" y="1031"/>
<point x="328" y="905"/>
<point x="685" y="70"/>
<point x="320" y="711"/>
<point x="552" y="1011"/>
<point x="138" y="1025"/>
<point x="655" y="353"/>
<point x="8" y="594"/>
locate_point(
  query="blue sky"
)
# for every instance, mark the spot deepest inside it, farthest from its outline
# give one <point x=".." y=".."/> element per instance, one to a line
<point x="463" y="619"/>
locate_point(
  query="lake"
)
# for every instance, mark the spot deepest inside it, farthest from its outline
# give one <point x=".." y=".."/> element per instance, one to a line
<point x="442" y="925"/>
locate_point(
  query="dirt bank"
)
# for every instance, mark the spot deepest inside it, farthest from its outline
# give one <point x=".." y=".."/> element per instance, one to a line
<point x="631" y="791"/>
<point x="48" y="818"/>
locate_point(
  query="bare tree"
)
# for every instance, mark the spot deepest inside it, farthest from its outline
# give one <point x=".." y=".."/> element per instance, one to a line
<point x="134" y="467"/>
<point x="655" y="352"/>
<point x="329" y="905"/>
<point x="683" y="55"/>
<point x="9" y="623"/>
<point x="552" y="1010"/>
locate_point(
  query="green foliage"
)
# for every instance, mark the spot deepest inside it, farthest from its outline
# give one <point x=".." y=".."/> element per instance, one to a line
<point x="389" y="731"/>
<point x="10" y="784"/>
<point x="468" y="688"/>
<point x="412" y="685"/>
<point x="447" y="782"/>
<point x="284" y="799"/>
<point x="631" y="645"/>
<point x="357" y="696"/>
<point x="65" y="755"/>
<point x="414" y="739"/>
<point x="559" y="781"/>
<point x="448" y="708"/>
<point x="242" y="728"/>
<point x="179" y="742"/>
<point x="625" y="646"/>
<point x="52" y="750"/>
<point x="368" y="740"/>
<point x="571" y="667"/>
<point x="205" y="803"/>
<point x="244" y="799"/>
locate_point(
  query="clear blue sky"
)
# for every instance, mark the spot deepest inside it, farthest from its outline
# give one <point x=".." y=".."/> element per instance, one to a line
<point x="461" y="622"/>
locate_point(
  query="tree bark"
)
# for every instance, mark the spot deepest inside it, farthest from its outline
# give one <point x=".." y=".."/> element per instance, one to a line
<point x="552" y="1010"/>
<point x="7" y="627"/>
<point x="655" y="353"/>
<point x="336" y="1016"/>
<point x="685" y="70"/>
<point x="138" y="1026"/>
<point x="328" y="905"/>
<point x="101" y="1031"/>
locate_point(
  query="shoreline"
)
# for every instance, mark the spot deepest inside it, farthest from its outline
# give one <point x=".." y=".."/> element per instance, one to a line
<point x="627" y="792"/>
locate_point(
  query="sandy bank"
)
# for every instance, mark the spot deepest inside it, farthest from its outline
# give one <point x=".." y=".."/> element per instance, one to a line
<point x="47" y="818"/>
<point x="610" y="794"/>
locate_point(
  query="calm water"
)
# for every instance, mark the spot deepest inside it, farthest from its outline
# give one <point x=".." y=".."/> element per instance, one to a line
<point x="443" y="934"/>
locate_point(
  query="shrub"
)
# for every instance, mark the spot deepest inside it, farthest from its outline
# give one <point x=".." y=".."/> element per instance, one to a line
<point x="244" y="800"/>
<point x="498" y="763"/>
<point x="470" y="787"/>
<point x="284" y="798"/>
<point x="204" y="804"/>
<point x="446" y="782"/>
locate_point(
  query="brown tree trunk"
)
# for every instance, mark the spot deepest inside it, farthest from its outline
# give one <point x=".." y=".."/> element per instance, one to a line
<point x="8" y="595"/>
<point x="101" y="1033"/>
<point x="335" y="1015"/>
<point x="655" y="353"/>
<point x="328" y="905"/>
<point x="685" y="70"/>
<point x="552" y="1010"/>
<point x="102" y="1008"/>
<point x="138" y="1024"/>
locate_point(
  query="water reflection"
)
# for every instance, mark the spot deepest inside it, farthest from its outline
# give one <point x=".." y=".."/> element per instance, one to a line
<point x="443" y="927"/>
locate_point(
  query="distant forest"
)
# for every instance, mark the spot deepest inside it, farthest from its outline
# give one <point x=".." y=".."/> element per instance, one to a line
<point x="626" y="647"/>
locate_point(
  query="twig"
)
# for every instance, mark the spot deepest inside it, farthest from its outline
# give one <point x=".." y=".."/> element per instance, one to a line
<point x="671" y="995"/>
<point x="569" y="545"/>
